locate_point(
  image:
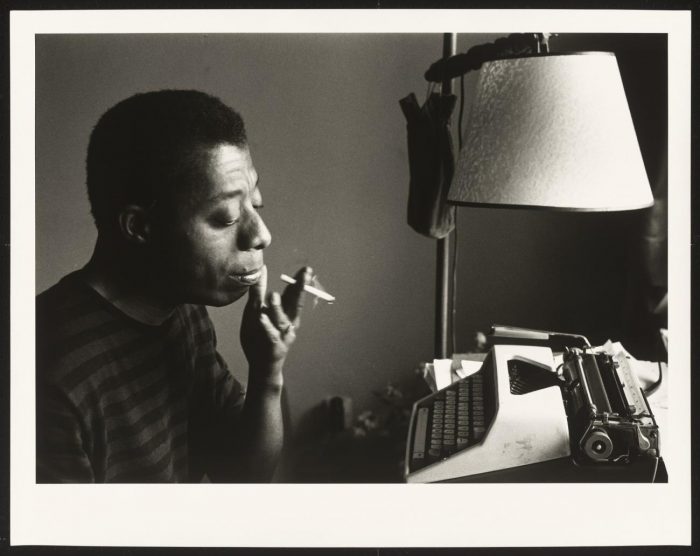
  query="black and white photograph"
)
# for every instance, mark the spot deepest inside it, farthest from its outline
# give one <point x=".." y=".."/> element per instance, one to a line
<point x="339" y="269"/>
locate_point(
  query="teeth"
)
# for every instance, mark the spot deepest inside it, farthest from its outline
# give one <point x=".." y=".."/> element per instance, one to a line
<point x="248" y="278"/>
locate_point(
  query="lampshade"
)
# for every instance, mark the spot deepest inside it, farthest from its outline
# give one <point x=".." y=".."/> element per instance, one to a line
<point x="551" y="131"/>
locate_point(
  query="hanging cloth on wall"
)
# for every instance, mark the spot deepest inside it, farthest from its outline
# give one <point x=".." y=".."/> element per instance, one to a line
<point x="431" y="157"/>
<point x="431" y="163"/>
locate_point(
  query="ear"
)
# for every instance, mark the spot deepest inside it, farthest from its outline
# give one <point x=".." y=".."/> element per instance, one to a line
<point x="134" y="224"/>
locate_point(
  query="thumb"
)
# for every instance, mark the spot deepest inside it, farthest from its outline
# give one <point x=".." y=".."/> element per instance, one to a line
<point x="256" y="294"/>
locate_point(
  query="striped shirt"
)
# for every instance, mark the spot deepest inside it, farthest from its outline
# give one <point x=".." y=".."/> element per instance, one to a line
<point x="122" y="401"/>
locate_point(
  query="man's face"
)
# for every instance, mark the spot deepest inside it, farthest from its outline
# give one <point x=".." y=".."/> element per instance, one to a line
<point x="209" y="250"/>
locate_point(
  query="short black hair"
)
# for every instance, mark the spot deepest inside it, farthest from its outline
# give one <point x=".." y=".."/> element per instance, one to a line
<point x="145" y="144"/>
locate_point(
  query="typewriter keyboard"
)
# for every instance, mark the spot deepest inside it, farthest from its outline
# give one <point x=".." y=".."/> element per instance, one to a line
<point x="452" y="419"/>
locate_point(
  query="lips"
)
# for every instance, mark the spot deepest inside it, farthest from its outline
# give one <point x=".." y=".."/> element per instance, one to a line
<point x="247" y="279"/>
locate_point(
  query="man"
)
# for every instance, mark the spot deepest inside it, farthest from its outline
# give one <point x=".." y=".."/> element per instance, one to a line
<point x="130" y="387"/>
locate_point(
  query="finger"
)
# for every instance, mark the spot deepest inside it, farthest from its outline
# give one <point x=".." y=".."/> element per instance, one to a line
<point x="256" y="293"/>
<point x="284" y="329"/>
<point x="275" y="312"/>
<point x="294" y="296"/>
<point x="269" y="328"/>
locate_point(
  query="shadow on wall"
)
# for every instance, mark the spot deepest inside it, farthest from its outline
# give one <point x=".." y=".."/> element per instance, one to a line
<point x="599" y="274"/>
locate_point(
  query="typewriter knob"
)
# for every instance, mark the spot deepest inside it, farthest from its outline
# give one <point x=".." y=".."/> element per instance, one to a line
<point x="598" y="445"/>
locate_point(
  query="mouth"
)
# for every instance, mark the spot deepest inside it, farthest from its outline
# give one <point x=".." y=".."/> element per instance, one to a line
<point x="248" y="278"/>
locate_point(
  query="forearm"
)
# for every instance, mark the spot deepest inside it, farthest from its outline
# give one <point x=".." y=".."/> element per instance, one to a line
<point x="268" y="330"/>
<point x="263" y="426"/>
<point x="259" y="431"/>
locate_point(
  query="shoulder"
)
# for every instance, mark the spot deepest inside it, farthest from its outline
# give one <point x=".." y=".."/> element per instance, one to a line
<point x="65" y="311"/>
<point x="77" y="333"/>
<point x="63" y="296"/>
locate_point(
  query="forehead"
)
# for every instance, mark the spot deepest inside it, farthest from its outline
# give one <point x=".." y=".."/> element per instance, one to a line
<point x="229" y="166"/>
<point x="219" y="173"/>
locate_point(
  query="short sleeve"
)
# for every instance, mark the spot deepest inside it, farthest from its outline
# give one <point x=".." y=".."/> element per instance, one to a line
<point x="60" y="453"/>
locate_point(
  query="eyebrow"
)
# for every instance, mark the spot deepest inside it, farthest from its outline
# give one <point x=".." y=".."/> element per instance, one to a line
<point x="225" y="195"/>
<point x="233" y="194"/>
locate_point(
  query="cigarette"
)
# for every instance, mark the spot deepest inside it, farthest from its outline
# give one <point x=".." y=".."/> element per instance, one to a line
<point x="314" y="291"/>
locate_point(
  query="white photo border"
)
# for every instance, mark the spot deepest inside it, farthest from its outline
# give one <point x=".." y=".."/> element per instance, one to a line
<point x="345" y="515"/>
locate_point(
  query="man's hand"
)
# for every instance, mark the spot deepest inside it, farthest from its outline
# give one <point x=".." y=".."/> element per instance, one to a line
<point x="269" y="326"/>
<point x="268" y="330"/>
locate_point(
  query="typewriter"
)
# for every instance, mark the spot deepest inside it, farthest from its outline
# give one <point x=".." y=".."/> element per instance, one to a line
<point x="586" y="418"/>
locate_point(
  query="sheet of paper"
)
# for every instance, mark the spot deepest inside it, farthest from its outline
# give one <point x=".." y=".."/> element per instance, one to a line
<point x="647" y="373"/>
<point x="468" y="368"/>
<point x="443" y="372"/>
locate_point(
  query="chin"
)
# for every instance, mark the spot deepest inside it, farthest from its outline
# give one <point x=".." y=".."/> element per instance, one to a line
<point x="222" y="299"/>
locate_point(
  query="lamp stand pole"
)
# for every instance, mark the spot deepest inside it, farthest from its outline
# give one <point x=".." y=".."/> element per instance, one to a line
<point x="442" y="281"/>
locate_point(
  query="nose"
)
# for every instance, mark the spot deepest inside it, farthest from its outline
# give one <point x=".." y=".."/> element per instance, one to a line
<point x="253" y="234"/>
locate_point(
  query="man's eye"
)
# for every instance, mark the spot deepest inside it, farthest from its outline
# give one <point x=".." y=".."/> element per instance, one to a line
<point x="259" y="207"/>
<point x="225" y="220"/>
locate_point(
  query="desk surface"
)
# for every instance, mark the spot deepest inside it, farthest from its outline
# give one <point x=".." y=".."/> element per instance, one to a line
<point x="564" y="470"/>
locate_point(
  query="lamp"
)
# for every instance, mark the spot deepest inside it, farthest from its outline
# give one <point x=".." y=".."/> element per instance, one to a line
<point x="547" y="131"/>
<point x="551" y="131"/>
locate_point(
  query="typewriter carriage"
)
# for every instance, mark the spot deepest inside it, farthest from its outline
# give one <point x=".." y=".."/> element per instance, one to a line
<point x="609" y="417"/>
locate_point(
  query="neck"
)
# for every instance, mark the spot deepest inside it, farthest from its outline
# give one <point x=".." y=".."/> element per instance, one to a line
<point x="122" y="278"/>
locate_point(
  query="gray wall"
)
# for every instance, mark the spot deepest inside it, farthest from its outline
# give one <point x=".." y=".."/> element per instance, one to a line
<point x="328" y="139"/>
